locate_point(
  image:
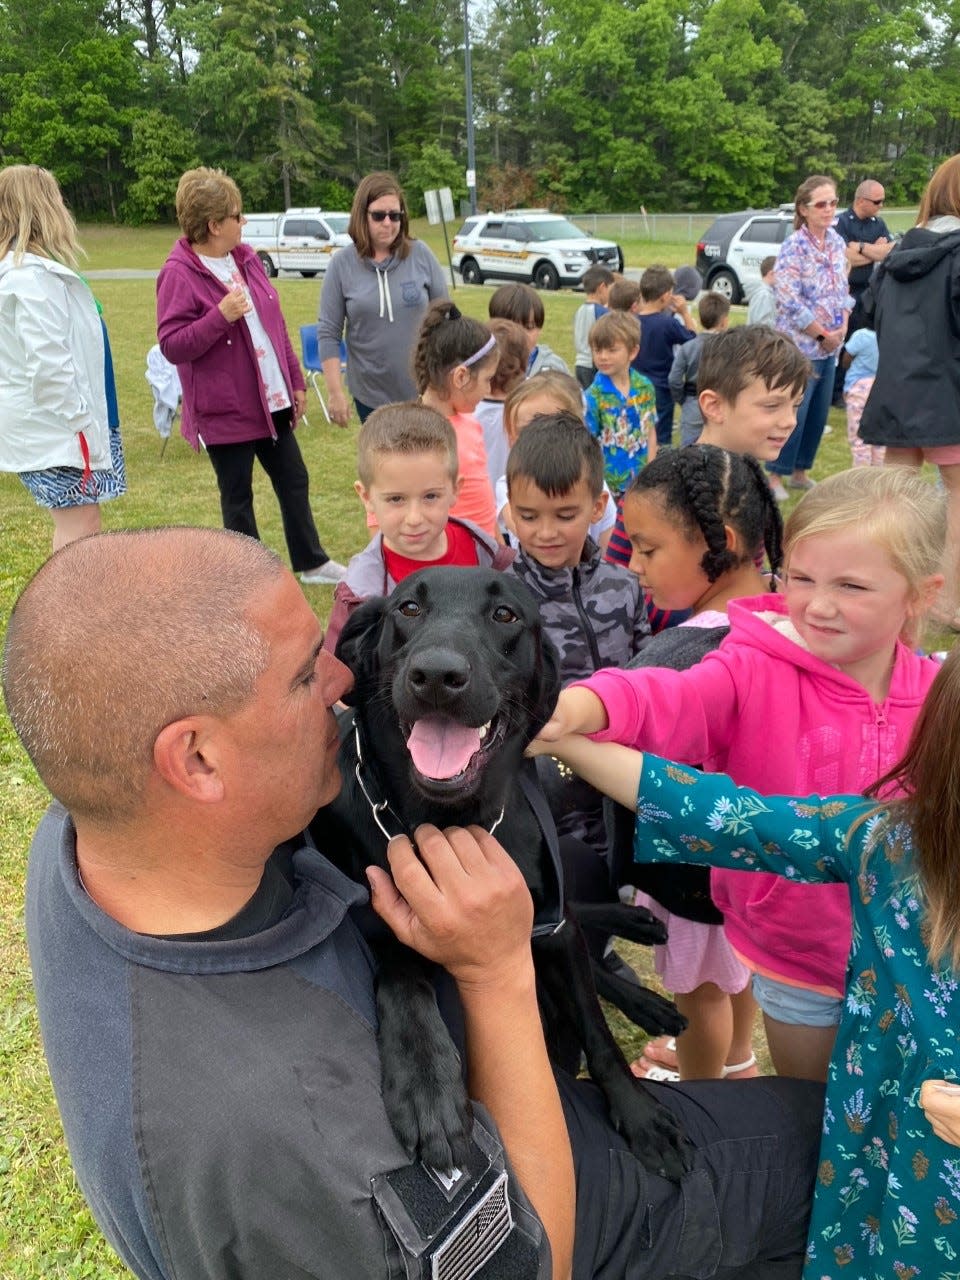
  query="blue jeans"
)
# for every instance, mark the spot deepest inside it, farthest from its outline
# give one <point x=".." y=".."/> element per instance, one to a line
<point x="801" y="449"/>
<point x="664" y="416"/>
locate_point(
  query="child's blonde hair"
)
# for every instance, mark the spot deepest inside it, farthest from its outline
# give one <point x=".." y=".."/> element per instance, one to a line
<point x="892" y="506"/>
<point x="407" y="428"/>
<point x="33" y="217"/>
<point x="561" y="387"/>
<point x="615" y="329"/>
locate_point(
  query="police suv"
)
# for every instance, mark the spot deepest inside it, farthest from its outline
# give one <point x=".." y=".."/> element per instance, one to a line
<point x="534" y="245"/>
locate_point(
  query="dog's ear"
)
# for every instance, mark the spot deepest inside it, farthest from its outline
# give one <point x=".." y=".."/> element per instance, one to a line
<point x="357" y="643"/>
<point x="546" y="687"/>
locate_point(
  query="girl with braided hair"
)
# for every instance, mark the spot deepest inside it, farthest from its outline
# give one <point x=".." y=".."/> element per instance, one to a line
<point x="814" y="690"/>
<point x="453" y="362"/>
<point x="700" y="521"/>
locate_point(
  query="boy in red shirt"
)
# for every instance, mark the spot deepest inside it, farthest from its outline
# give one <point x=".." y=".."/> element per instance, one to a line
<point x="408" y="481"/>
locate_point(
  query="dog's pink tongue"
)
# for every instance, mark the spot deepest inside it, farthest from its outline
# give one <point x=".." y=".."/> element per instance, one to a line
<point x="440" y="747"/>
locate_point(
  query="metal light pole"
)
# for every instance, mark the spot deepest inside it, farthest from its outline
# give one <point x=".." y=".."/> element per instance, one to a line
<point x="471" y="158"/>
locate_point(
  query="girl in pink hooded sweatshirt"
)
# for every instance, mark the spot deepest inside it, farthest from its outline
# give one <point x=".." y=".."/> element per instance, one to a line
<point x="814" y="690"/>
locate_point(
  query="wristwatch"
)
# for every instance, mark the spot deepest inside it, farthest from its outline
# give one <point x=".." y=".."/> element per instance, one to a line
<point x="820" y="339"/>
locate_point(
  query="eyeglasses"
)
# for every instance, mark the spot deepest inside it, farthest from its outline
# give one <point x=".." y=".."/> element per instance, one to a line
<point x="823" y="204"/>
<point x="378" y="215"/>
<point x="870" y="200"/>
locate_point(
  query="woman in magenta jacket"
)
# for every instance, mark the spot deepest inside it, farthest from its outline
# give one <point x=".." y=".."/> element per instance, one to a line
<point x="219" y="321"/>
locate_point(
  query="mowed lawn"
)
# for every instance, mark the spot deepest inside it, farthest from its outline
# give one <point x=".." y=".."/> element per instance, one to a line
<point x="45" y="1229"/>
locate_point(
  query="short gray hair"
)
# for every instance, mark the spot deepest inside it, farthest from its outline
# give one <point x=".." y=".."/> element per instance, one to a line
<point x="120" y="634"/>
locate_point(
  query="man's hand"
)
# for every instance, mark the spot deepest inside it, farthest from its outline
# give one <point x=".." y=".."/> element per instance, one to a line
<point x="462" y="903"/>
<point x="940" y="1100"/>
<point x="578" y="710"/>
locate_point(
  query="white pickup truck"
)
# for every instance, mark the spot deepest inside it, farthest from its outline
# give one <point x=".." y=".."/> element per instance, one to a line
<point x="298" y="240"/>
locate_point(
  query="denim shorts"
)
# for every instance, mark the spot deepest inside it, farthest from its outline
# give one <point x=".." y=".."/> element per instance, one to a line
<point x="797" y="1005"/>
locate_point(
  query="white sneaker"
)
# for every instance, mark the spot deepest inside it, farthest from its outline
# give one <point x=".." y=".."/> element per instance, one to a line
<point x="330" y="572"/>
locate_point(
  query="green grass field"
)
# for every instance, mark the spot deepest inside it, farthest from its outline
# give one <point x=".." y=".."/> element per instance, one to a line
<point x="45" y="1229"/>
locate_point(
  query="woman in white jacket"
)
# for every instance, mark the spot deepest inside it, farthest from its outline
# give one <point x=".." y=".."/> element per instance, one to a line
<point x="56" y="379"/>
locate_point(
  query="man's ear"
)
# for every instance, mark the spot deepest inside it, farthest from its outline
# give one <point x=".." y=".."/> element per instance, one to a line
<point x="186" y="755"/>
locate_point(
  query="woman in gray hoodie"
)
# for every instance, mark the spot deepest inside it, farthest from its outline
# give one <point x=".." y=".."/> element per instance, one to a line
<point x="378" y="289"/>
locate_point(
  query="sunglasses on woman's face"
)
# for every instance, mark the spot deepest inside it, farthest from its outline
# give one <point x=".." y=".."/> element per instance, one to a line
<point x="378" y="215"/>
<point x="823" y="204"/>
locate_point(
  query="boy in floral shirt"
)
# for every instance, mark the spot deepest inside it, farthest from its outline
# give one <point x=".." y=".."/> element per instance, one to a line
<point x="621" y="407"/>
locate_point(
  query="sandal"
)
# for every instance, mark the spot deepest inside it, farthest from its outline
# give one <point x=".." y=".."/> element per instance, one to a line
<point x="661" y="1052"/>
<point x="741" y="1068"/>
<point x="661" y="1075"/>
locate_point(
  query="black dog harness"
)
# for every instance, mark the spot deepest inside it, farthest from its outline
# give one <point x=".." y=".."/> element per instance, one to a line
<point x="550" y="918"/>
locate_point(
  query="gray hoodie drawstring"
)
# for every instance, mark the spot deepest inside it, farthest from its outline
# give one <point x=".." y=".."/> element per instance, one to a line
<point x="384" y="287"/>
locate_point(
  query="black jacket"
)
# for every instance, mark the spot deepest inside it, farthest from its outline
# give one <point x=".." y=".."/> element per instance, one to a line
<point x="913" y="303"/>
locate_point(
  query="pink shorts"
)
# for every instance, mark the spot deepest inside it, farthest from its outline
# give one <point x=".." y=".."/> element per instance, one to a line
<point x="694" y="953"/>
<point x="944" y="455"/>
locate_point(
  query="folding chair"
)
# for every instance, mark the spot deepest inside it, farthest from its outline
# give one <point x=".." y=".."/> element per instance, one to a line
<point x="310" y="349"/>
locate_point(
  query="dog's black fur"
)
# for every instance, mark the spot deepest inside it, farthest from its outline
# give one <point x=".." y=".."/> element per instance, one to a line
<point x="465" y="647"/>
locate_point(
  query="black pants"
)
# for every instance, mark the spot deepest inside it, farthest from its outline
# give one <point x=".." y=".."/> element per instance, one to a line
<point x="741" y="1213"/>
<point x="283" y="462"/>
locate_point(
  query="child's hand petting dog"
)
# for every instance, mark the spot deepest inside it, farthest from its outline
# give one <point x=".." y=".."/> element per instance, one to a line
<point x="578" y="710"/>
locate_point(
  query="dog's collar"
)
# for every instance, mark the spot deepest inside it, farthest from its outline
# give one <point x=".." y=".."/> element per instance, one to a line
<point x="382" y="807"/>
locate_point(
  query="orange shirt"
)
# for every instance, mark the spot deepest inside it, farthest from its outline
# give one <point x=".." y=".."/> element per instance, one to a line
<point x="476" y="501"/>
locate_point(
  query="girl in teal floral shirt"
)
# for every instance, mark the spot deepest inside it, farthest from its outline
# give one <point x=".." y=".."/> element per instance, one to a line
<point x="887" y="1203"/>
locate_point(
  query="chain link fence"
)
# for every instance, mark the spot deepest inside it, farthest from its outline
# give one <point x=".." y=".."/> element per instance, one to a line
<point x="686" y="227"/>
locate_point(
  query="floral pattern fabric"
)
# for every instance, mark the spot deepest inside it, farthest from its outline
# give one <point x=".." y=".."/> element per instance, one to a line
<point x="624" y="425"/>
<point x="888" y="1190"/>
<point x="810" y="284"/>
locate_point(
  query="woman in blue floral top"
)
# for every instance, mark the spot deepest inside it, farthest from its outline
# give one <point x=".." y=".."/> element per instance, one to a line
<point x="887" y="1203"/>
<point x="813" y="306"/>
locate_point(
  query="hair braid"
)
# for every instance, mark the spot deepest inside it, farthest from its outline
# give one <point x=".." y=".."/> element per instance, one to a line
<point x="772" y="521"/>
<point x="706" y="476"/>
<point x="705" y="488"/>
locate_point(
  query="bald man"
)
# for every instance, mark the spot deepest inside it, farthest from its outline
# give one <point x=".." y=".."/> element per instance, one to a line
<point x="207" y="1000"/>
<point x="867" y="238"/>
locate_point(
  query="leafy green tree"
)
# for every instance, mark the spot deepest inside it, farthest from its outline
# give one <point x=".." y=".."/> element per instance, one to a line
<point x="434" y="167"/>
<point x="73" y="115"/>
<point x="160" y="150"/>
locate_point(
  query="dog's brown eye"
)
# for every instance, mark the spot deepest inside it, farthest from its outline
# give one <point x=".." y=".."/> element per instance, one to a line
<point x="503" y="614"/>
<point x="409" y="609"/>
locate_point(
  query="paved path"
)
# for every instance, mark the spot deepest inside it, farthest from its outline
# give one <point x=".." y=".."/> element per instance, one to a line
<point x="134" y="273"/>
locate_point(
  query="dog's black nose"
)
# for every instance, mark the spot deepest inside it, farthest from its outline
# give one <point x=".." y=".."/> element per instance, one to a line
<point x="438" y="675"/>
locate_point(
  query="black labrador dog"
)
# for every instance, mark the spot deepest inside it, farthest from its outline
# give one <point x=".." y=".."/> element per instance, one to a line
<point x="453" y="677"/>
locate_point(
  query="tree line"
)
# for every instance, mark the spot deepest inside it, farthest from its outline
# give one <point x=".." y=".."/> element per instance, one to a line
<point x="579" y="104"/>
